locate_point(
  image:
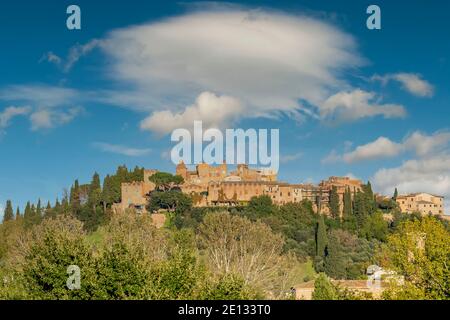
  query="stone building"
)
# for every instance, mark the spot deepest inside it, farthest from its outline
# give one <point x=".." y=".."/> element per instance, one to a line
<point x="424" y="203"/>
<point x="203" y="174"/>
<point x="214" y="186"/>
<point x="135" y="194"/>
<point x="248" y="174"/>
<point x="341" y="184"/>
<point x="305" y="290"/>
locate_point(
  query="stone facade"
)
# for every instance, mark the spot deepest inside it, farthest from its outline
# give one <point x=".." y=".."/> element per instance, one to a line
<point x="135" y="194"/>
<point x="341" y="184"/>
<point x="305" y="290"/>
<point x="424" y="203"/>
<point x="214" y="186"/>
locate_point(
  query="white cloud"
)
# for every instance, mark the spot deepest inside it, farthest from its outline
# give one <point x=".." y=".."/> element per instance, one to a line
<point x="332" y="157"/>
<point x="49" y="118"/>
<point x="430" y="175"/>
<point x="423" y="144"/>
<point x="39" y="95"/>
<point x="419" y="143"/>
<point x="52" y="58"/>
<point x="356" y="104"/>
<point x="214" y="111"/>
<point x="277" y="61"/>
<point x="380" y="148"/>
<point x="413" y="83"/>
<point x="48" y="106"/>
<point x="75" y="53"/>
<point x="120" y="149"/>
<point x="279" y="64"/>
<point x="10" y="112"/>
<point x="78" y="51"/>
<point x="290" y="157"/>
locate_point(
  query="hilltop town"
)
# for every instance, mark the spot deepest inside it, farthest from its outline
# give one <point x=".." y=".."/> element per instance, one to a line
<point x="215" y="186"/>
<point x="241" y="228"/>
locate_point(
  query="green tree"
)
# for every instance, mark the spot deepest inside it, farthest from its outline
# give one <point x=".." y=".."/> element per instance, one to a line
<point x="137" y="174"/>
<point x="51" y="247"/>
<point x="173" y="200"/>
<point x="106" y="197"/>
<point x="123" y="273"/>
<point x="375" y="227"/>
<point x="334" y="203"/>
<point x="8" y="215"/>
<point x="229" y="287"/>
<point x="348" y="204"/>
<point x="57" y="209"/>
<point x="38" y="210"/>
<point x="75" y="200"/>
<point x="348" y="256"/>
<point x="395" y="195"/>
<point x="27" y="215"/>
<point x="321" y="237"/>
<point x="324" y="289"/>
<point x="361" y="208"/>
<point x="18" y="215"/>
<point x="166" y="181"/>
<point x="419" y="250"/>
<point x="349" y="219"/>
<point x="95" y="191"/>
<point x="336" y="260"/>
<point x="261" y="206"/>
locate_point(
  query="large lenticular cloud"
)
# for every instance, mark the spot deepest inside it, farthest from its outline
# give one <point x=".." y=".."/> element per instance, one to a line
<point x="268" y="61"/>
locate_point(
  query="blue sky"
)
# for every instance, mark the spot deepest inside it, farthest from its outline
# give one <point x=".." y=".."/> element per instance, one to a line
<point x="347" y="100"/>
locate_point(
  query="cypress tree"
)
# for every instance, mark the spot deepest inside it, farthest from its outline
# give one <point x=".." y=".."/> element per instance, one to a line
<point x="65" y="206"/>
<point x="348" y="210"/>
<point x="321" y="237"/>
<point x="138" y="174"/>
<point x="38" y="210"/>
<point x="95" y="191"/>
<point x="8" y="215"/>
<point x="122" y="175"/>
<point x="395" y="195"/>
<point x="361" y="208"/>
<point x="34" y="214"/>
<point x="334" y="203"/>
<point x="369" y="198"/>
<point x="48" y="210"/>
<point x="348" y="216"/>
<point x="18" y="215"/>
<point x="106" y="192"/>
<point x="57" y="207"/>
<point x="28" y="215"/>
<point x="75" y="202"/>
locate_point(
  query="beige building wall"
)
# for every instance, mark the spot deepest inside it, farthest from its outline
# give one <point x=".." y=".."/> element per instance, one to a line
<point x="135" y="194"/>
<point x="424" y="203"/>
<point x="305" y="290"/>
<point x="341" y="184"/>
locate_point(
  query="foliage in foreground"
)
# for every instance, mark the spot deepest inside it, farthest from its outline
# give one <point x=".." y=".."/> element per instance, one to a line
<point x="132" y="261"/>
